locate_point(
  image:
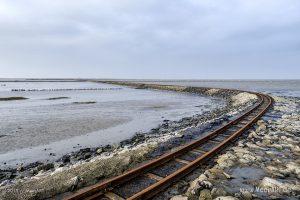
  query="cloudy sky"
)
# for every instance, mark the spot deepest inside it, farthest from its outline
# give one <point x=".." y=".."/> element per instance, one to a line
<point x="182" y="39"/>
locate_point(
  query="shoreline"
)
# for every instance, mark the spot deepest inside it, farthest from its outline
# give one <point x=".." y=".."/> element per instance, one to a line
<point x="171" y="133"/>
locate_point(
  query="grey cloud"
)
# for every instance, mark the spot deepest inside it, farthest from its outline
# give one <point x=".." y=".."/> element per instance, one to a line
<point x="153" y="35"/>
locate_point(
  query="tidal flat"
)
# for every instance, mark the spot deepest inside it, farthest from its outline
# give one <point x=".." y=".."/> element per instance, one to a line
<point x="84" y="167"/>
<point x="63" y="117"/>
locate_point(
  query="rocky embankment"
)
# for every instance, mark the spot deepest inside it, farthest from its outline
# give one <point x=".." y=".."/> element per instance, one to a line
<point x="88" y="166"/>
<point x="263" y="165"/>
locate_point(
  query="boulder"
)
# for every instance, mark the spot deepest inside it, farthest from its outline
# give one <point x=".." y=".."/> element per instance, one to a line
<point x="196" y="186"/>
<point x="217" y="192"/>
<point x="202" y="177"/>
<point x="293" y="167"/>
<point x="194" y="190"/>
<point x="226" y="160"/>
<point x="246" y="195"/>
<point x="270" y="183"/>
<point x="205" y="195"/>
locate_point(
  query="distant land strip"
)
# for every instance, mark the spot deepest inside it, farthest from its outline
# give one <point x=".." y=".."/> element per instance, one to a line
<point x="63" y="89"/>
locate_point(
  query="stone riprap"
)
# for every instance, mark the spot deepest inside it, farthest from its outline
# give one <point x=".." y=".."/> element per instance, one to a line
<point x="265" y="164"/>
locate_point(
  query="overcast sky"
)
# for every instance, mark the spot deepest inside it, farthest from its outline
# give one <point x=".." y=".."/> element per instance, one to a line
<point x="198" y="39"/>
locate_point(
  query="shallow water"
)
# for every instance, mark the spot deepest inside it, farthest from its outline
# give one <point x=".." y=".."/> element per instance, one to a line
<point x="251" y="174"/>
<point x="32" y="128"/>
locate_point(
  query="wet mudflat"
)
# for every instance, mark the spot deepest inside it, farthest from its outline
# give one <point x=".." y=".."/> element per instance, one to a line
<point x="59" y="117"/>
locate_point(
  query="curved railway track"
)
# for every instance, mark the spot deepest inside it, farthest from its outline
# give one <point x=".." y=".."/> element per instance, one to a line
<point x="146" y="181"/>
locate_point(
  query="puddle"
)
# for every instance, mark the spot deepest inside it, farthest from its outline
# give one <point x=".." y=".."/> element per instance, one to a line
<point x="245" y="178"/>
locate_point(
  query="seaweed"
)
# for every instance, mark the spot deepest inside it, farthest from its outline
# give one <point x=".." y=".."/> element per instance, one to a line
<point x="84" y="102"/>
<point x="57" y="98"/>
<point x="12" y="98"/>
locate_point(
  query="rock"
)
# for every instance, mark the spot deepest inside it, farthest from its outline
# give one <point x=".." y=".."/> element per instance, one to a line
<point x="33" y="165"/>
<point x="259" y="122"/>
<point x="226" y="160"/>
<point x="194" y="190"/>
<point x="99" y="150"/>
<point x="217" y="173"/>
<point x="205" y="195"/>
<point x="282" y="187"/>
<point x="253" y="134"/>
<point x="206" y="184"/>
<point x="196" y="186"/>
<point x="227" y="175"/>
<point x="240" y="151"/>
<point x="179" y="197"/>
<point x="293" y="167"/>
<point x="254" y="146"/>
<point x="4" y="183"/>
<point x="107" y="148"/>
<point x="7" y="175"/>
<point x="296" y="150"/>
<point x="115" y="146"/>
<point x="66" y="158"/>
<point x="45" y="167"/>
<point x="261" y="127"/>
<point x="73" y="183"/>
<point x="216" y="192"/>
<point x="241" y="144"/>
<point x="267" y="142"/>
<point x="279" y="147"/>
<point x="87" y="155"/>
<point x="269" y="183"/>
<point x="212" y="91"/>
<point x="33" y="172"/>
<point x="202" y="177"/>
<point x="173" y="191"/>
<point x="249" y="157"/>
<point x="20" y="168"/>
<point x="246" y="195"/>
<point x="244" y="161"/>
<point x="226" y="198"/>
<point x="78" y="157"/>
<point x="83" y="154"/>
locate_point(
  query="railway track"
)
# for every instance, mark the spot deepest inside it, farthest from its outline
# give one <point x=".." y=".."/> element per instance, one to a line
<point x="146" y="181"/>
